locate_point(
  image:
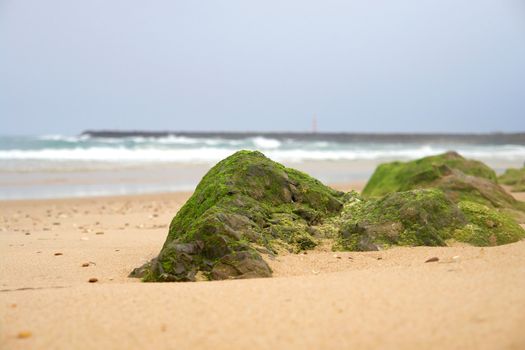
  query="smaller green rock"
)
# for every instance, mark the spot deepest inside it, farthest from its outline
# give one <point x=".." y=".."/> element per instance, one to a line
<point x="420" y="173"/>
<point x="459" y="178"/>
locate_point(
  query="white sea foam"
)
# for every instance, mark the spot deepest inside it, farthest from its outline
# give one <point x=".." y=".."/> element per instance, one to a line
<point x="170" y="140"/>
<point x="119" y="154"/>
<point x="56" y="137"/>
<point x="265" y="143"/>
<point x="208" y="154"/>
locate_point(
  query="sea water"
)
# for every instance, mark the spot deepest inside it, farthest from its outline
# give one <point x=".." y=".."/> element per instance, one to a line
<point x="70" y="166"/>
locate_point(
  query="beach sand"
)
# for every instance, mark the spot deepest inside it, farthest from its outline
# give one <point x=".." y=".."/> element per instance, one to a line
<point x="472" y="298"/>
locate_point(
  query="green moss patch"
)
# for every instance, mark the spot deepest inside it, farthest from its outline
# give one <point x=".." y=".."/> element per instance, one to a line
<point x="411" y="218"/>
<point x="424" y="217"/>
<point x="403" y="176"/>
<point x="487" y="227"/>
<point x="459" y="178"/>
<point x="514" y="178"/>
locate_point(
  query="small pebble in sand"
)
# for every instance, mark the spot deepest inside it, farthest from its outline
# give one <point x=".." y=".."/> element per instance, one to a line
<point x="315" y="272"/>
<point x="456" y="258"/>
<point x="379" y="258"/>
<point x="84" y="238"/>
<point x="93" y="280"/>
<point x="56" y="223"/>
<point x="99" y="233"/>
<point x="57" y="254"/>
<point x="13" y="306"/>
<point x="24" y="335"/>
<point x="85" y="264"/>
<point x="27" y="233"/>
<point x="433" y="259"/>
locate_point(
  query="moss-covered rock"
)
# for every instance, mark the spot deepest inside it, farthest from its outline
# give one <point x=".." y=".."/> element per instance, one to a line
<point x="411" y="218"/>
<point x="403" y="176"/>
<point x="487" y="226"/>
<point x="244" y="206"/>
<point x="423" y="217"/>
<point x="459" y="178"/>
<point x="514" y="178"/>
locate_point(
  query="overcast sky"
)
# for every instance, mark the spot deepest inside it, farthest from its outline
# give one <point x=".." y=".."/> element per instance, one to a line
<point x="381" y="66"/>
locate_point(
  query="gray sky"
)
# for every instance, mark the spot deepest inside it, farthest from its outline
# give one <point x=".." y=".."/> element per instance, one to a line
<point x="381" y="66"/>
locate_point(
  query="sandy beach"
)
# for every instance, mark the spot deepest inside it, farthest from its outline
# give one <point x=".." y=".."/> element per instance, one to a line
<point x="472" y="298"/>
<point x="199" y="148"/>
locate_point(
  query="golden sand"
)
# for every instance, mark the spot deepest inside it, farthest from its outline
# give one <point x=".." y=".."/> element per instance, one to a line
<point x="471" y="298"/>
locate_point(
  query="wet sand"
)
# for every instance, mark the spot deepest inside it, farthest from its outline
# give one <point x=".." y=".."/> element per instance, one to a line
<point x="472" y="298"/>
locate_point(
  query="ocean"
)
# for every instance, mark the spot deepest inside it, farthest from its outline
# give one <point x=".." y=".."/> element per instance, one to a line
<point x="50" y="166"/>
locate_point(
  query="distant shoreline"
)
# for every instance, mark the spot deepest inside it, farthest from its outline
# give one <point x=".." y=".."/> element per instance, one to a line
<point x="482" y="138"/>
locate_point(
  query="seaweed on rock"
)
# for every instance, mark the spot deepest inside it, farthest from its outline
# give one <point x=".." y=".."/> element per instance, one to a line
<point x="412" y="218"/>
<point x="424" y="217"/>
<point x="423" y="172"/>
<point x="514" y="178"/>
<point x="244" y="206"/>
<point x="459" y="178"/>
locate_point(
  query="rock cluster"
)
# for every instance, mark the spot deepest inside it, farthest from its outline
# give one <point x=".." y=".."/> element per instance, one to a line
<point x="248" y="206"/>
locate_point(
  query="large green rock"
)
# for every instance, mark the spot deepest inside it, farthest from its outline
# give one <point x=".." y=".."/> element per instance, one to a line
<point x="514" y="178"/>
<point x="244" y="206"/>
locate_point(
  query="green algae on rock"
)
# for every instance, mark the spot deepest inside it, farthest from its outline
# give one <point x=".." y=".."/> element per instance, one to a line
<point x="410" y="218"/>
<point x="423" y="217"/>
<point x="430" y="200"/>
<point x="459" y="178"/>
<point x="403" y="176"/>
<point x="514" y="178"/>
<point x="487" y="226"/>
<point x="244" y="206"/>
